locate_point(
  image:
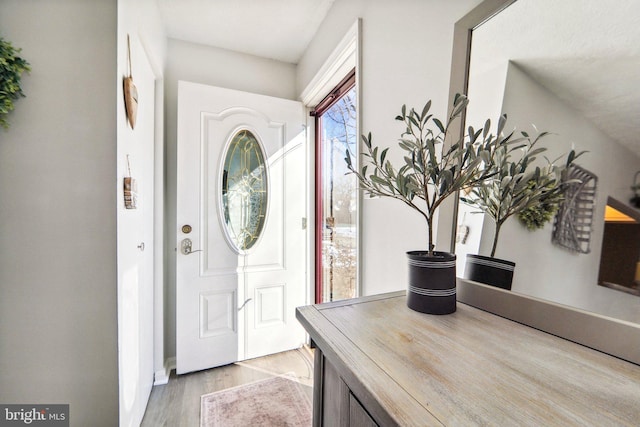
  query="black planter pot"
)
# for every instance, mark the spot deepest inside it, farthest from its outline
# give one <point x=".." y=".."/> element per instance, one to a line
<point x="432" y="282"/>
<point x="490" y="271"/>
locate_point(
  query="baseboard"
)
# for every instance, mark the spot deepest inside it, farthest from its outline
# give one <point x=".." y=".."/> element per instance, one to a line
<point x="162" y="376"/>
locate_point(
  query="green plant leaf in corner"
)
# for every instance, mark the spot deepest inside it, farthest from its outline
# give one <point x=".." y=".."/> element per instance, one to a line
<point x="12" y="67"/>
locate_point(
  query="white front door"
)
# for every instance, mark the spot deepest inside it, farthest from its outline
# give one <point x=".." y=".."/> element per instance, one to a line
<point x="240" y="266"/>
<point x="135" y="249"/>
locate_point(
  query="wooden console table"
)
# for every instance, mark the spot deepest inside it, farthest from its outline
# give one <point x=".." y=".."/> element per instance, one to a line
<point x="380" y="363"/>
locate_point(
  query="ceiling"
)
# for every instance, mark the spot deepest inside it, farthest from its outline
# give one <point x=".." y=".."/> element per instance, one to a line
<point x="274" y="29"/>
<point x="587" y="52"/>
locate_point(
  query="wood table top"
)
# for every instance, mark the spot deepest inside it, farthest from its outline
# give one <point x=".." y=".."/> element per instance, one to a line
<point x="469" y="368"/>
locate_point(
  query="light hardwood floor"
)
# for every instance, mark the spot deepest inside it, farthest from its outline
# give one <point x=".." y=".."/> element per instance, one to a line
<point x="177" y="403"/>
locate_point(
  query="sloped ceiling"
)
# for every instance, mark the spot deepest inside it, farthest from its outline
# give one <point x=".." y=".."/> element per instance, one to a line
<point x="587" y="52"/>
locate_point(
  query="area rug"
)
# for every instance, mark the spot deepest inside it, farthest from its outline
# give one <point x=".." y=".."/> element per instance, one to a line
<point x="276" y="401"/>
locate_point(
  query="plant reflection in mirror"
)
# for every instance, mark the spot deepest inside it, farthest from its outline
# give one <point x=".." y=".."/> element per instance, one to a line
<point x="519" y="186"/>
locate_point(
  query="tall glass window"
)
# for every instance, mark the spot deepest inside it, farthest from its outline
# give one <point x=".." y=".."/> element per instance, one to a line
<point x="336" y="195"/>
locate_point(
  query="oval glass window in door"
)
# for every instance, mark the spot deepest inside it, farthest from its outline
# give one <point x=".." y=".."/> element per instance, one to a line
<point x="244" y="190"/>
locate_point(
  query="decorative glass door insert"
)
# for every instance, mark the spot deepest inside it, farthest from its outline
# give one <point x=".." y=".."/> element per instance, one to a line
<point x="244" y="191"/>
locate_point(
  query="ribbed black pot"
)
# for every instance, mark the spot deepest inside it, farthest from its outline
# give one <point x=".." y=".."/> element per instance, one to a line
<point x="432" y="282"/>
<point x="490" y="271"/>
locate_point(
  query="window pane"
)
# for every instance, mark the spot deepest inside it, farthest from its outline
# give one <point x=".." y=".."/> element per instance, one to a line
<point x="339" y="200"/>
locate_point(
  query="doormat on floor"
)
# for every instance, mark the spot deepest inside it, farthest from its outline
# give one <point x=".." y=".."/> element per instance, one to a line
<point x="274" y="402"/>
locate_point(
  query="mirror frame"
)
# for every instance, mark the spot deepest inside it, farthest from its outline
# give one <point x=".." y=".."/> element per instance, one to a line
<point x="608" y="335"/>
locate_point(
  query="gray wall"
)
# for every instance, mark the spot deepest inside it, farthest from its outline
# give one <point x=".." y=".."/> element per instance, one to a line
<point x="58" y="327"/>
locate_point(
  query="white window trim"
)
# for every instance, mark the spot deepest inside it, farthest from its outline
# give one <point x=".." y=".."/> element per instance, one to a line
<point x="343" y="59"/>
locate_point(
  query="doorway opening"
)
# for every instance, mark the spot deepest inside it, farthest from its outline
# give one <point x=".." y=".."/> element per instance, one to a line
<point x="336" y="201"/>
<point x="620" y="256"/>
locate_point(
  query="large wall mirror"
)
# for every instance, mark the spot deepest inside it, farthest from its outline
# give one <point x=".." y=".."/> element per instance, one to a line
<point x="571" y="68"/>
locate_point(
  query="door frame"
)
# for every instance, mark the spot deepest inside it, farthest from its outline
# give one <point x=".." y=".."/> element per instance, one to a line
<point x="346" y="56"/>
<point x="344" y="86"/>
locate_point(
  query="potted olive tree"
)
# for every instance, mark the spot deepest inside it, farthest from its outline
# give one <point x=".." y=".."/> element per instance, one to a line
<point x="520" y="187"/>
<point x="430" y="172"/>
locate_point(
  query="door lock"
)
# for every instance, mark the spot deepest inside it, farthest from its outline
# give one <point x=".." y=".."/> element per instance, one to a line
<point x="186" y="247"/>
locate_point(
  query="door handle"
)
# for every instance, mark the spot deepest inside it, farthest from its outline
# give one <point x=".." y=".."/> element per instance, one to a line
<point x="186" y="247"/>
<point x="244" y="303"/>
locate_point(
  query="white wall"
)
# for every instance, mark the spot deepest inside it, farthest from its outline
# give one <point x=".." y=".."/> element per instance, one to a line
<point x="58" y="334"/>
<point x="406" y="59"/>
<point x="545" y="270"/>
<point x="216" y="67"/>
<point x="142" y="19"/>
